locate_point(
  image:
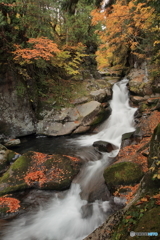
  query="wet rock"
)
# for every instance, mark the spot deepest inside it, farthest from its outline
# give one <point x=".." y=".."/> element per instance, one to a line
<point x="12" y="142"/>
<point x="103" y="146"/>
<point x="127" y="139"/>
<point x="41" y="171"/>
<point x="99" y="193"/>
<point x="123" y="173"/>
<point x="87" y="210"/>
<point x="6" y="157"/>
<point x="81" y="129"/>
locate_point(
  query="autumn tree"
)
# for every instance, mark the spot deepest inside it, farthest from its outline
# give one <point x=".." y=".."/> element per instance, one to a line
<point x="124" y="28"/>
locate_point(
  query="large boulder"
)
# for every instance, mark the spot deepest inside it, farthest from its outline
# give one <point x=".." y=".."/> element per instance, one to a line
<point x="139" y="83"/>
<point x="123" y="173"/>
<point x="81" y="117"/>
<point x="41" y="171"/>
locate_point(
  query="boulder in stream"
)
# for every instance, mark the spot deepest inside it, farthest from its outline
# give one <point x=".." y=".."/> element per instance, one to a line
<point x="69" y="120"/>
<point x="122" y="173"/>
<point x="103" y="146"/>
<point x="41" y="171"/>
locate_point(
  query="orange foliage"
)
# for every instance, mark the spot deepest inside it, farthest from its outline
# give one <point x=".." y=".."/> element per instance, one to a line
<point x="37" y="176"/>
<point x="157" y="197"/>
<point x="41" y="48"/>
<point x="11" y="203"/>
<point x="40" y="157"/>
<point x="130" y="193"/>
<point x="74" y="159"/>
<point x="122" y="26"/>
<point x="37" y="172"/>
<point x="129" y="153"/>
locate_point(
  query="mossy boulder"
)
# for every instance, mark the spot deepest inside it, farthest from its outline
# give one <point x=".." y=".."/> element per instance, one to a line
<point x="123" y="173"/>
<point x="41" y="171"/>
<point x="6" y="157"/>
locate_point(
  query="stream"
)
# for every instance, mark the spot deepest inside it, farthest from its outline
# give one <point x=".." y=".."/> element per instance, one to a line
<point x="74" y="214"/>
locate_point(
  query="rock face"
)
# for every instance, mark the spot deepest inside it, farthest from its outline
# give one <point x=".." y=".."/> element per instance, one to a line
<point x="69" y="120"/>
<point x="16" y="115"/>
<point x="41" y="171"/>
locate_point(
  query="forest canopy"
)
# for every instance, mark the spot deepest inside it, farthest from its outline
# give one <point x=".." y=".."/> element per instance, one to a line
<point x="45" y="37"/>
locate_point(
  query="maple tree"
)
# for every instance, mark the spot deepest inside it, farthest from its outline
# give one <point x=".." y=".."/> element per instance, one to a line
<point x="41" y="48"/>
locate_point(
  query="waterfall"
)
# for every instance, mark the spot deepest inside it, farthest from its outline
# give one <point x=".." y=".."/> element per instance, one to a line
<point x="72" y="216"/>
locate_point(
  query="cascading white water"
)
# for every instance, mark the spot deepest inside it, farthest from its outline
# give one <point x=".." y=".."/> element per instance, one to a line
<point x="64" y="218"/>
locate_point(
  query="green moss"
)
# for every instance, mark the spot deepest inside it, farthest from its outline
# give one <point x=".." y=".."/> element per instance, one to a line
<point x="136" y="90"/>
<point x="124" y="173"/>
<point x="4" y="178"/>
<point x="149" y="222"/>
<point x="21" y="163"/>
<point x="13" y="188"/>
<point x="10" y="155"/>
<point x="139" y="218"/>
<point x="143" y="107"/>
<point x="13" y="179"/>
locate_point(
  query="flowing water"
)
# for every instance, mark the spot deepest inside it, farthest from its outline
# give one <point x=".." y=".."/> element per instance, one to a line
<point x="73" y="216"/>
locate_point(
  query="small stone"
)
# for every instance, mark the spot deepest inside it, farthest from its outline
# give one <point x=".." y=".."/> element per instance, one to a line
<point x="12" y="142"/>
